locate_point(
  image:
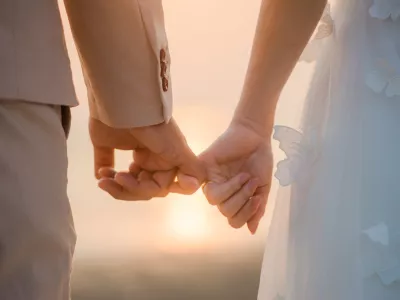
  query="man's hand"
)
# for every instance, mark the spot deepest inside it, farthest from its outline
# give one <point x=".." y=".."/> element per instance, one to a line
<point x="239" y="170"/>
<point x="160" y="155"/>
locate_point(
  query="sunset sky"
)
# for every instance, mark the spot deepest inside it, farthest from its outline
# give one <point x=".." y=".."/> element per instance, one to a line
<point x="210" y="43"/>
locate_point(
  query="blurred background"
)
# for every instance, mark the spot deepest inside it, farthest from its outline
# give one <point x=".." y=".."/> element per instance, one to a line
<point x="178" y="247"/>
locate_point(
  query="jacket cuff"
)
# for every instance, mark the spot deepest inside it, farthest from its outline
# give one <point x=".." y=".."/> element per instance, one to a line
<point x="126" y="116"/>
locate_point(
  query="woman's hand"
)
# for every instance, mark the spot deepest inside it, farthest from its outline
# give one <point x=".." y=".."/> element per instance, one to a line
<point x="239" y="171"/>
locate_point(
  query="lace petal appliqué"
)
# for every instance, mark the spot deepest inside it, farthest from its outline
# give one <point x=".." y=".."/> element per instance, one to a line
<point x="381" y="253"/>
<point x="300" y="153"/>
<point x="279" y="297"/>
<point x="393" y="88"/>
<point x="385" y="9"/>
<point x="384" y="78"/>
<point x="378" y="234"/>
<point x="325" y="27"/>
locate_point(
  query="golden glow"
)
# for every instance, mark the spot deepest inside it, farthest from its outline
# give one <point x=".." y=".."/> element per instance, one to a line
<point x="187" y="221"/>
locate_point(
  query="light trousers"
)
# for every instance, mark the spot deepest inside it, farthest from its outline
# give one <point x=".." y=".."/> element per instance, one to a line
<point x="37" y="236"/>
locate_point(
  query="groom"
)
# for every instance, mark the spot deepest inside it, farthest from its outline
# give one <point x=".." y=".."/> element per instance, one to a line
<point x="125" y="59"/>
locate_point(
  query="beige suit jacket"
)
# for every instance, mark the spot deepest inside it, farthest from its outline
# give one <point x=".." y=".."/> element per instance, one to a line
<point x="123" y="49"/>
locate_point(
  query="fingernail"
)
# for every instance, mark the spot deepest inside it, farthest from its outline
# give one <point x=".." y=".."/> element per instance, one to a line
<point x="194" y="182"/>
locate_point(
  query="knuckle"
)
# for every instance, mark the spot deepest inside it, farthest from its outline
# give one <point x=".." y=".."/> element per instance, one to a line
<point x="236" y="224"/>
<point x="225" y="211"/>
<point x="144" y="198"/>
<point x="163" y="193"/>
<point x="116" y="195"/>
<point x="122" y="197"/>
<point x="236" y="185"/>
<point x="209" y="195"/>
<point x="119" y="194"/>
<point x="211" y="200"/>
<point x="189" y="193"/>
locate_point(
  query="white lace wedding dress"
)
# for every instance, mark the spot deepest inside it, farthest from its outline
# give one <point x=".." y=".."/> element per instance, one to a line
<point x="335" y="233"/>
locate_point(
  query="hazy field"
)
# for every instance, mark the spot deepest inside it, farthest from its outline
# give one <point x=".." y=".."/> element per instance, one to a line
<point x="169" y="277"/>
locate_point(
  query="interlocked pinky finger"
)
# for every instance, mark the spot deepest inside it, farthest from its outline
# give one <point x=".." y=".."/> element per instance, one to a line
<point x="216" y="193"/>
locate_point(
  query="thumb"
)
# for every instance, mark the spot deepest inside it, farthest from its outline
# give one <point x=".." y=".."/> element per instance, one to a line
<point x="103" y="158"/>
<point x="191" y="165"/>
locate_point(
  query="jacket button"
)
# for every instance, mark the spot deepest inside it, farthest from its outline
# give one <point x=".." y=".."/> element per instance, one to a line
<point x="163" y="56"/>
<point x="165" y="84"/>
<point x="163" y="72"/>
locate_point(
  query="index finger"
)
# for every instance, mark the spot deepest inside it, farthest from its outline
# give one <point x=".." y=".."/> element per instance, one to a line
<point x="103" y="158"/>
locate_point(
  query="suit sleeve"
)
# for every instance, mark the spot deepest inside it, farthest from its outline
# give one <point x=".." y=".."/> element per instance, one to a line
<point x="125" y="59"/>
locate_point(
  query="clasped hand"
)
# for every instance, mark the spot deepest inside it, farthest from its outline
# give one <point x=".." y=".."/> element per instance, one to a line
<point x="235" y="171"/>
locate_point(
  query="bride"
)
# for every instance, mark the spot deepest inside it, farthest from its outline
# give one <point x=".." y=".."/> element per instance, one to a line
<point x="335" y="233"/>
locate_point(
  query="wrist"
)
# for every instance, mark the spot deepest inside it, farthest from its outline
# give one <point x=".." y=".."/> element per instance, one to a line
<point x="260" y="120"/>
<point x="262" y="129"/>
<point x="257" y="106"/>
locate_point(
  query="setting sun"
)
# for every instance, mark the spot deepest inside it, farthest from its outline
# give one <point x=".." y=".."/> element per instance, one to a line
<point x="187" y="221"/>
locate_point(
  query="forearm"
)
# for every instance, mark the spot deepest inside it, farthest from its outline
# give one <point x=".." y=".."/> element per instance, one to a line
<point x="124" y="54"/>
<point x="283" y="30"/>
